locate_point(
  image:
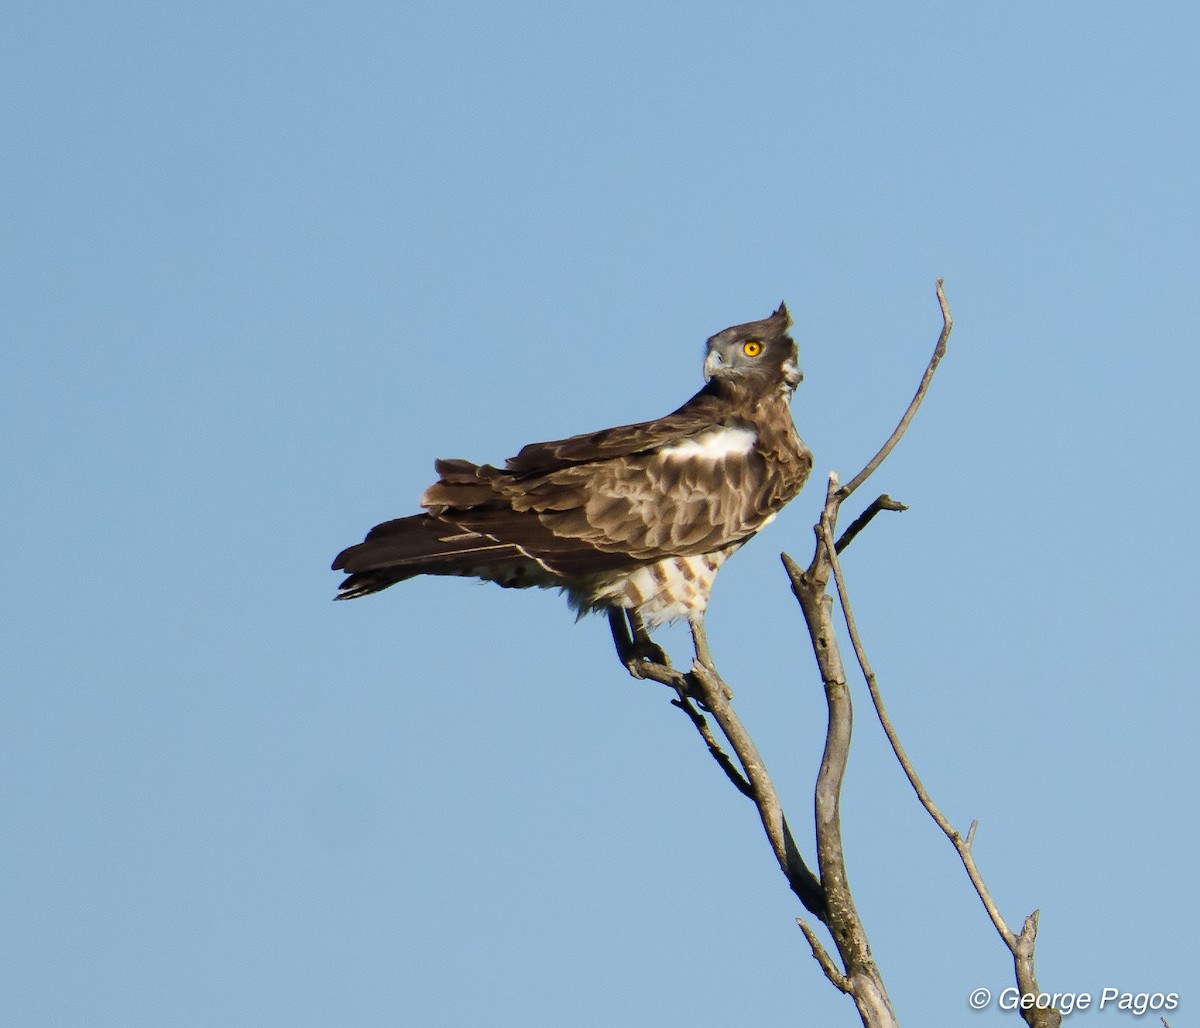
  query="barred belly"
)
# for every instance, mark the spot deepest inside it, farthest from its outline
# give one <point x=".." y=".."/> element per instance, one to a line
<point x="677" y="587"/>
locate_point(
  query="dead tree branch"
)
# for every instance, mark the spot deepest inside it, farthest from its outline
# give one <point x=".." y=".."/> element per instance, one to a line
<point x="1020" y="945"/>
<point x="806" y="586"/>
<point x="826" y="894"/>
<point x="810" y="587"/>
<point x="861" y="975"/>
<point x="749" y="775"/>
<point x="880" y="503"/>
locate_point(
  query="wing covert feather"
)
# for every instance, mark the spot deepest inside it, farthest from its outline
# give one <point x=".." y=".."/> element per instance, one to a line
<point x="616" y="492"/>
<point x="700" y="413"/>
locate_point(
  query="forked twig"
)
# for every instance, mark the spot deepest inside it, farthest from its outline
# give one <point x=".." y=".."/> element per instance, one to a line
<point x="810" y="586"/>
<point x="829" y="896"/>
<point x="715" y="695"/>
<point x="684" y="692"/>
<point x="748" y="774"/>
<point x="1020" y="945"/>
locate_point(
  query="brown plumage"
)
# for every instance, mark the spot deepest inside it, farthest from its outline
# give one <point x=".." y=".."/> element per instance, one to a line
<point x="634" y="519"/>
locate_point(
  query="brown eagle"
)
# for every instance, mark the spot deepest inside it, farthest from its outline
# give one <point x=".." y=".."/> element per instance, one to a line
<point x="633" y="520"/>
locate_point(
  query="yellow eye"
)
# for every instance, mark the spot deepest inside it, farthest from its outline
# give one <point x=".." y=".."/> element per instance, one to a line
<point x="752" y="348"/>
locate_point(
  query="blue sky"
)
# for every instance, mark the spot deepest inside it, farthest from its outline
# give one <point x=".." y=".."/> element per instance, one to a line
<point x="261" y="264"/>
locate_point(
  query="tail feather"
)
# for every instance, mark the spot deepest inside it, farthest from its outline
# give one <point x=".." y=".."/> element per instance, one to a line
<point x="419" y="545"/>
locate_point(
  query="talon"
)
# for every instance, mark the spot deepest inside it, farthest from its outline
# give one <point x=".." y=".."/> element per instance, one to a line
<point x="635" y="648"/>
<point x="644" y="649"/>
<point x="636" y="668"/>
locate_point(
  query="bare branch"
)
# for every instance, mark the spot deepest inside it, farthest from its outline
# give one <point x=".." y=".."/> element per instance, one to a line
<point x="707" y="687"/>
<point x="822" y="957"/>
<point x="1027" y="980"/>
<point x="883" y="502"/>
<point x="722" y="758"/>
<point x="902" y="427"/>
<point x="828" y="897"/>
<point x="680" y="683"/>
<point x="861" y="977"/>
<point x="863" y="980"/>
<point x="964" y="851"/>
<point x="714" y="693"/>
<point x="1021" y="946"/>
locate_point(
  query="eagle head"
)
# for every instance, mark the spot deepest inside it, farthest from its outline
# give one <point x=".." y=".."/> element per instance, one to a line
<point x="759" y="352"/>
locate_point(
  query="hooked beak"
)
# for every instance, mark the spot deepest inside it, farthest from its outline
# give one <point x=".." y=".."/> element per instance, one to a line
<point x="711" y="363"/>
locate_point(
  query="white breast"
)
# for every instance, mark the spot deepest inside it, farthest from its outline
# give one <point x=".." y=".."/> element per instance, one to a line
<point x="715" y="444"/>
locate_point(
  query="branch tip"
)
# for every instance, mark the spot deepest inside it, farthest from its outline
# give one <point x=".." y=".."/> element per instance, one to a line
<point x="939" y="352"/>
<point x="947" y="320"/>
<point x="822" y="957"/>
<point x="880" y="503"/>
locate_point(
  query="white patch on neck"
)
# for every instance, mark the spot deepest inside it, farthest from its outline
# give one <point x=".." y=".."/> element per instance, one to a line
<point x="715" y="444"/>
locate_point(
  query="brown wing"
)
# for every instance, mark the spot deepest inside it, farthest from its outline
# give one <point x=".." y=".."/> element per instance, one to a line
<point x="699" y="480"/>
<point x="702" y="411"/>
<point x="693" y="482"/>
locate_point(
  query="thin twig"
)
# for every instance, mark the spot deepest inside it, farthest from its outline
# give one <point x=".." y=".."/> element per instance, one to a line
<point x="1021" y="946"/>
<point x="822" y="957"/>
<point x="681" y="685"/>
<point x="722" y="758"/>
<point x="883" y="502"/>
<point x="829" y="897"/>
<point x="964" y="851"/>
<point x="862" y="978"/>
<point x="894" y="438"/>
<point x="707" y="687"/>
<point x="715" y="694"/>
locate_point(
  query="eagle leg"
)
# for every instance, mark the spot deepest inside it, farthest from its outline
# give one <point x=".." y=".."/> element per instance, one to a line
<point x="633" y="641"/>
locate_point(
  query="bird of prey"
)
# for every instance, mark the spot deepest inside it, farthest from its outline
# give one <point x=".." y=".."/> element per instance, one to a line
<point x="634" y="520"/>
